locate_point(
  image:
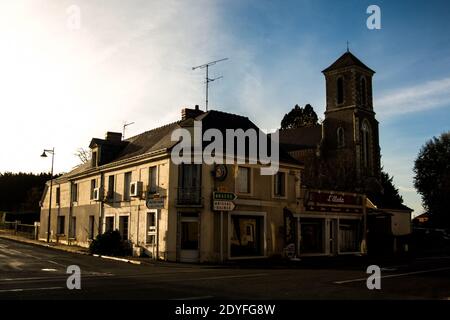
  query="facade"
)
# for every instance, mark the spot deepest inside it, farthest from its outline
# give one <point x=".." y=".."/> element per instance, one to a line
<point x="316" y="204"/>
<point x="164" y="209"/>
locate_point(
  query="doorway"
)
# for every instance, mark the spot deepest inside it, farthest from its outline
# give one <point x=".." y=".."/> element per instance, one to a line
<point x="189" y="238"/>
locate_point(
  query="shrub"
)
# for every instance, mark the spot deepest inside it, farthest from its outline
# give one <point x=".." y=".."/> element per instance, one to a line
<point x="110" y="243"/>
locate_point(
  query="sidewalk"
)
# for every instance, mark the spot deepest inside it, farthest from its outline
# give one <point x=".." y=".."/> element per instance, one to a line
<point x="54" y="245"/>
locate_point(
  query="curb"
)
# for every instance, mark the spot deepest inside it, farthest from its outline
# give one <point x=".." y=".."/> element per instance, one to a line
<point x="68" y="249"/>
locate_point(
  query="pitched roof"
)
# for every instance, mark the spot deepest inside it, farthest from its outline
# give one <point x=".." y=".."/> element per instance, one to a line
<point x="160" y="138"/>
<point x="301" y="138"/>
<point x="347" y="60"/>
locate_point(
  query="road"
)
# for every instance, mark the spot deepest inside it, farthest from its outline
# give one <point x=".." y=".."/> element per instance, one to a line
<point x="35" y="272"/>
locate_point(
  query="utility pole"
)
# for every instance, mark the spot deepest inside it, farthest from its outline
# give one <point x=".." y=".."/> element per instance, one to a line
<point x="208" y="80"/>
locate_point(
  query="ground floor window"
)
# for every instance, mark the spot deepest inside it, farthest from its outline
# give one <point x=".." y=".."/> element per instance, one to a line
<point x="123" y="227"/>
<point x="349" y="235"/>
<point x="312" y="235"/>
<point x="247" y="236"/>
<point x="109" y="224"/>
<point x="91" y="227"/>
<point x="61" y="225"/>
<point x="151" y="227"/>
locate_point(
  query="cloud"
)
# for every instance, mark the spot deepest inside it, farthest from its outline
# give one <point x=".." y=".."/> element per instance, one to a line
<point x="428" y="95"/>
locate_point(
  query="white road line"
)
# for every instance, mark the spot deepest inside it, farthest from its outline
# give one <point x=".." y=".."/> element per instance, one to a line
<point x="31" y="289"/>
<point x="393" y="275"/>
<point x="195" y="298"/>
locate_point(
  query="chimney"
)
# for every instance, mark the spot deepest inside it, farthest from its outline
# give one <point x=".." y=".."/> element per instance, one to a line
<point x="113" y="136"/>
<point x="187" y="113"/>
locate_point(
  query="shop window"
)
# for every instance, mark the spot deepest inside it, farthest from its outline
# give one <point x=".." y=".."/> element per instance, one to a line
<point x="151" y="228"/>
<point x="349" y="235"/>
<point x="246" y="239"/>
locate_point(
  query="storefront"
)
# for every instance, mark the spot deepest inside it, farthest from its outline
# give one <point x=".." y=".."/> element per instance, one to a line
<point x="332" y="223"/>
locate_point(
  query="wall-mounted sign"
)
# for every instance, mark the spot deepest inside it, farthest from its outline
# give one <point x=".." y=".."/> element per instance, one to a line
<point x="155" y="203"/>
<point x="223" y="201"/>
<point x="333" y="198"/>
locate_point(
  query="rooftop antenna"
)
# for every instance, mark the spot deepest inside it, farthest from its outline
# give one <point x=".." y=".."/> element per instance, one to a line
<point x="125" y="125"/>
<point x="208" y="80"/>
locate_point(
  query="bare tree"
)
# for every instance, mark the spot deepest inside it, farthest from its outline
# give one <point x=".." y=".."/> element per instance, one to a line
<point x="83" y="154"/>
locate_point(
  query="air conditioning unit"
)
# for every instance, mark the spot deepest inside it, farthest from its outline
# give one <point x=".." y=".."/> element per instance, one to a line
<point x="136" y="188"/>
<point x="96" y="194"/>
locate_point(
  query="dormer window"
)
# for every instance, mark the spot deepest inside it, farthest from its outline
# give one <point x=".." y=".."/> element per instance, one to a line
<point x="94" y="158"/>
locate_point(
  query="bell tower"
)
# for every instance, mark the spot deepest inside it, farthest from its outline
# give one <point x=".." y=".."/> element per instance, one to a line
<point x="350" y="130"/>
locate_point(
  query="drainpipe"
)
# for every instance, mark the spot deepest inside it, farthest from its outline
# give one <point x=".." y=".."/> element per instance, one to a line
<point x="101" y="205"/>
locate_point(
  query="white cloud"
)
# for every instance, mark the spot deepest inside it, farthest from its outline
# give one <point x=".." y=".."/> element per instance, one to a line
<point x="428" y="95"/>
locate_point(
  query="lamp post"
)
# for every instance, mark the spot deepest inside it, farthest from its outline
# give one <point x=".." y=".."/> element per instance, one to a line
<point x="44" y="155"/>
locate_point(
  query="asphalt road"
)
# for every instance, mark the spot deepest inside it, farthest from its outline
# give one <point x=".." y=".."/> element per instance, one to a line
<point x="34" y="272"/>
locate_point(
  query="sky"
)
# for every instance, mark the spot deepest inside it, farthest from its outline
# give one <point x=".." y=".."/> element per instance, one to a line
<point x="72" y="70"/>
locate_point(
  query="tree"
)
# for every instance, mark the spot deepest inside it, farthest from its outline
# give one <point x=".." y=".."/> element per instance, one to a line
<point x="299" y="117"/>
<point x="432" y="178"/>
<point x="389" y="197"/>
<point x="83" y="154"/>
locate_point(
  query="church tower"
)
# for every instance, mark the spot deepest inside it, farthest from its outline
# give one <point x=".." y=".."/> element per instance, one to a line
<point x="350" y="130"/>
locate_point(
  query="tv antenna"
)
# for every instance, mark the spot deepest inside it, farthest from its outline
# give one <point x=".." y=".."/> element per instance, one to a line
<point x="125" y="125"/>
<point x="208" y="79"/>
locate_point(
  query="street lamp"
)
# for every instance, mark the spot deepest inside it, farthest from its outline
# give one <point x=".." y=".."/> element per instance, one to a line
<point x="44" y="155"/>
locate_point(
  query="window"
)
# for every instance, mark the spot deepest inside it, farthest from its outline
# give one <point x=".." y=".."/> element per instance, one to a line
<point x="153" y="180"/>
<point x="340" y="137"/>
<point x="74" y="192"/>
<point x="363" y="91"/>
<point x="92" y="227"/>
<point x="111" y="187"/>
<point x="61" y="225"/>
<point x="247" y="236"/>
<point x="189" y="184"/>
<point x="279" y="180"/>
<point x="151" y="228"/>
<point x="126" y="186"/>
<point x="93" y="186"/>
<point x="243" y="180"/>
<point x="109" y="224"/>
<point x="94" y="159"/>
<point x="123" y="227"/>
<point x="58" y="196"/>
<point x="73" y="228"/>
<point x="340" y="90"/>
<point x="365" y="136"/>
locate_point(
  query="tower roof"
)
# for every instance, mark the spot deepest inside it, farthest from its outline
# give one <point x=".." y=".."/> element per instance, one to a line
<point x="347" y="60"/>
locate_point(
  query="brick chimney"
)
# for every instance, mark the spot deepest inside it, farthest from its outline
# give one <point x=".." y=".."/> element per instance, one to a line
<point x="187" y="113"/>
<point x="113" y="136"/>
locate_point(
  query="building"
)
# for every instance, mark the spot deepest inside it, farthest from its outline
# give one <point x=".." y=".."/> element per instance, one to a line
<point x="165" y="209"/>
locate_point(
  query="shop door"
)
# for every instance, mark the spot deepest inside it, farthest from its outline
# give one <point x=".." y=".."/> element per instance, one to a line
<point x="189" y="235"/>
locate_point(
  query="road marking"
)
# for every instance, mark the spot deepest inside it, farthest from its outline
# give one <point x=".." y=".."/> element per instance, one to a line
<point x="47" y="269"/>
<point x="30" y="289"/>
<point x="194" y="298"/>
<point x="393" y="275"/>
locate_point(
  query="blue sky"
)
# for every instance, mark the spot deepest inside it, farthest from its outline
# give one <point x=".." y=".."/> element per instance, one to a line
<point x="132" y="60"/>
